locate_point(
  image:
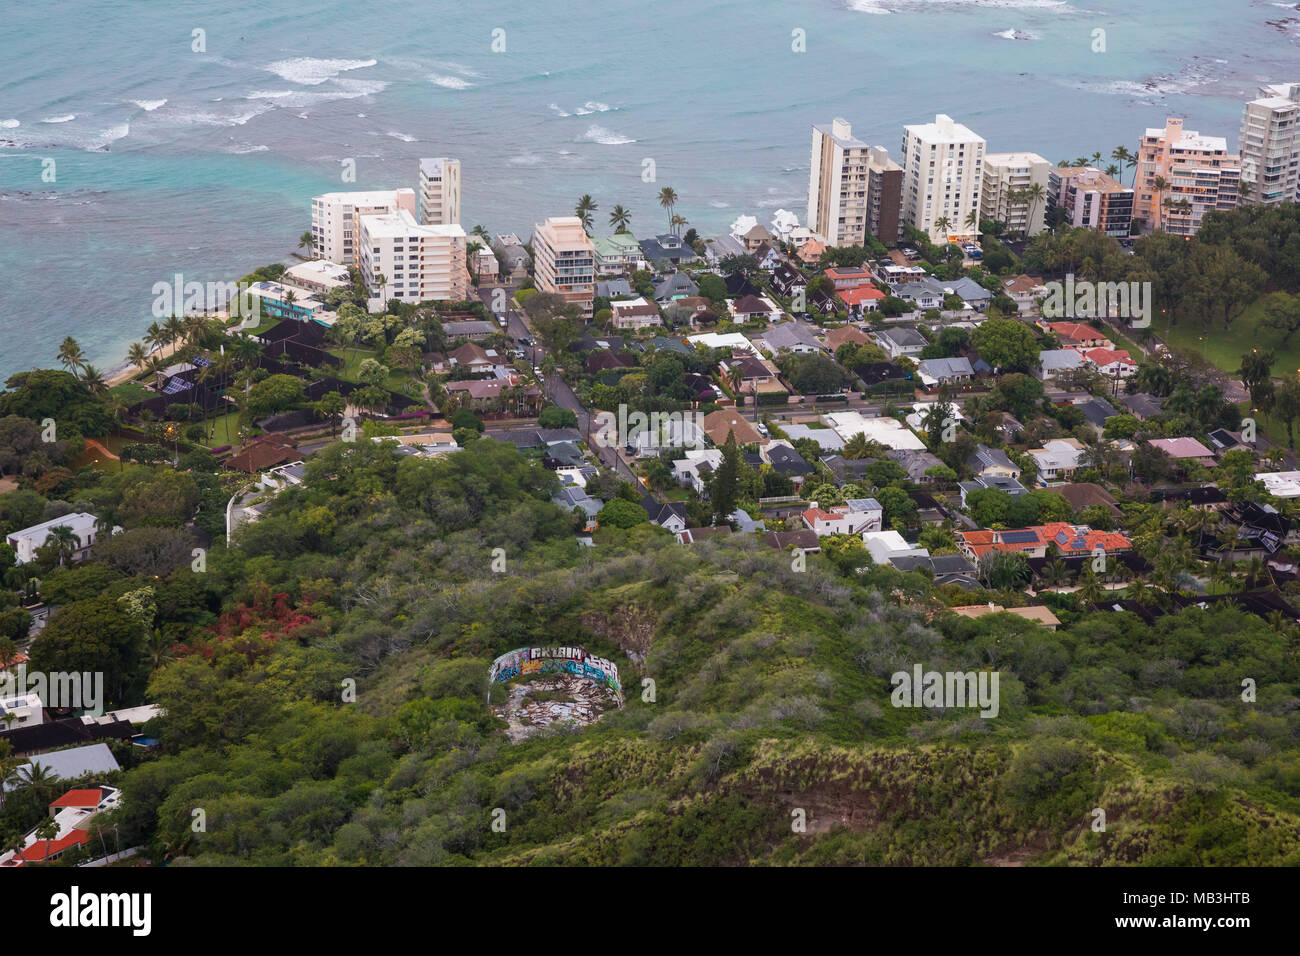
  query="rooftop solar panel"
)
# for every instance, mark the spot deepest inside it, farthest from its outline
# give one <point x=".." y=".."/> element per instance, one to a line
<point x="1019" y="537"/>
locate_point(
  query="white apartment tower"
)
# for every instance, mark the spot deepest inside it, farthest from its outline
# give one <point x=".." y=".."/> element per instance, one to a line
<point x="1005" y="196"/>
<point x="335" y="220"/>
<point x="401" y="259"/>
<point x="943" y="168"/>
<point x="440" y="192"/>
<point x="1270" y="146"/>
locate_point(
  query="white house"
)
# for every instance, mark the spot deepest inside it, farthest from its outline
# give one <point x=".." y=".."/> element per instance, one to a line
<point x="694" y="470"/>
<point x="855" y="516"/>
<point x="26" y="541"/>
<point x="884" y="546"/>
<point x="1058" y="459"/>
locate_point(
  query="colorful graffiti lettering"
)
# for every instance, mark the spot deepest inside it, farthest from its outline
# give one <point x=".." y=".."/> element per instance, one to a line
<point x="554" y="660"/>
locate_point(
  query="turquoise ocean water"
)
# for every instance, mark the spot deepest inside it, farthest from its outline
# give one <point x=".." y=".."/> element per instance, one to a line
<point x="170" y="160"/>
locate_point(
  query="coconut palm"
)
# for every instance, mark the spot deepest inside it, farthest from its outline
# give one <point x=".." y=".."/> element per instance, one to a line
<point x="1056" y="573"/>
<point x="137" y="354"/>
<point x="65" y="539"/>
<point x="586" y="206"/>
<point x="70" y="355"/>
<point x="668" y="202"/>
<point x="942" y="225"/>
<point x="1090" y="589"/>
<point x="972" y="220"/>
<point x="619" y="218"/>
<point x="174" y="327"/>
<point x="93" y="379"/>
<point x="307" y="241"/>
<point x="676" y="224"/>
<point x="1161" y="186"/>
<point x="1034" y="193"/>
<point x="154" y="337"/>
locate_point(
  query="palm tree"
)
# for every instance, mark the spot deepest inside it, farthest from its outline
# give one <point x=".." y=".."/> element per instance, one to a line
<point x="34" y="780"/>
<point x="736" y="376"/>
<point x="1034" y="192"/>
<point x="619" y="218"/>
<point x="1160" y="185"/>
<point x="93" y="379"/>
<point x="943" y="224"/>
<point x="676" y="224"/>
<point x="586" y="206"/>
<point x="62" y="536"/>
<point x="155" y="337"/>
<point x="1090" y="589"/>
<point x="1112" y="170"/>
<point x="668" y="201"/>
<point x="1055" y="573"/>
<point x="137" y="354"/>
<point x="47" y="830"/>
<point x="972" y="220"/>
<point x="70" y="355"/>
<point x="307" y="241"/>
<point x="174" y="327"/>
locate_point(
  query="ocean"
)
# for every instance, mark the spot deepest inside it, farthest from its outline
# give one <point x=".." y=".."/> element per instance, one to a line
<point x="173" y="156"/>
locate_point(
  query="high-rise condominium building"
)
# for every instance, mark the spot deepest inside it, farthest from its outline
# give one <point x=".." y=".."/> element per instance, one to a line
<point x="1008" y="194"/>
<point x="440" y="192"/>
<point x="1090" y="199"/>
<point x="564" y="260"/>
<point x="1270" y="146"/>
<point x="854" y="190"/>
<point x="1198" y="175"/>
<point x="335" y="220"/>
<point x="401" y="259"/>
<point x="943" y="167"/>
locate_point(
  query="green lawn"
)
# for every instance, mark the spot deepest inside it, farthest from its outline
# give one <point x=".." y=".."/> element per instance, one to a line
<point x="131" y="392"/>
<point x="352" y="359"/>
<point x="1225" y="348"/>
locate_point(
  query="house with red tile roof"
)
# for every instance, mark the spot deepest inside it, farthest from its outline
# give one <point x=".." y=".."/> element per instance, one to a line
<point x="854" y="517"/>
<point x="1111" y="362"/>
<point x="1076" y="335"/>
<point x="847" y="277"/>
<point x="1035" y="542"/>
<point x="863" y="298"/>
<point x="71" y="814"/>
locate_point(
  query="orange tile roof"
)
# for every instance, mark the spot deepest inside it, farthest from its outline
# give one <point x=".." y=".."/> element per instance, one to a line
<point x="862" y="293"/>
<point x="1075" y="331"/>
<point x="1107" y="356"/>
<point x="79" y="798"/>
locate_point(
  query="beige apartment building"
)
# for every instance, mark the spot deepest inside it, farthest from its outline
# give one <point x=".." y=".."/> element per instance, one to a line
<point x="1004" y="196"/>
<point x="440" y="192"/>
<point x="401" y="259"/>
<point x="1199" y="175"/>
<point x="1090" y="199"/>
<point x="854" y="190"/>
<point x="1270" y="146"/>
<point x="335" y="220"/>
<point x="943" y="170"/>
<point x="564" y="260"/>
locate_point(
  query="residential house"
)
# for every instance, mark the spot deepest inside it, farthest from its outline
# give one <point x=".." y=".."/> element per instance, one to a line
<point x="1076" y="335"/>
<point x="923" y="293"/>
<point x="787" y="280"/>
<point x="82" y="525"/>
<point x="667" y="249"/>
<point x="1184" y="449"/>
<point x="613" y="289"/>
<point x="805" y="540"/>
<point x="619" y="254"/>
<point x="889" y="432"/>
<point x="1096" y="411"/>
<point x="696" y="535"/>
<point x="1113" y="363"/>
<point x="715" y="250"/>
<point x="1003" y="483"/>
<point x="728" y="421"/>
<point x="1052" y="362"/>
<point x="676" y="286"/>
<point x="669" y="515"/>
<point x="768" y="257"/>
<point x="695" y="469"/>
<point x="635" y="314"/>
<point x="1025" y="291"/>
<point x="471" y="329"/>
<point x="901" y="342"/>
<point x="786" y="461"/>
<point x="934" y="373"/>
<point x="810" y="252"/>
<point x="71" y="814"/>
<point x="1142" y="405"/>
<point x="885" y="546"/>
<point x="989" y="462"/>
<point x="1033" y="542"/>
<point x="853" y="517"/>
<point x="916" y="462"/>
<point x="848" y="277"/>
<point x="845" y="335"/>
<point x="750" y="308"/>
<point x="571" y="497"/>
<point x="971" y="292"/>
<point x="1058" y="459"/>
<point x="754" y="237"/>
<point x="789" y="337"/>
<point x="863" y="299"/>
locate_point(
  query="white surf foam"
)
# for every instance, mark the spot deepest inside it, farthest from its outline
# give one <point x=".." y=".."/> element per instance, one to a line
<point x="605" y="137"/>
<point x="449" y="82"/>
<point x="313" y="71"/>
<point x="149" y="105"/>
<point x="68" y="118"/>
